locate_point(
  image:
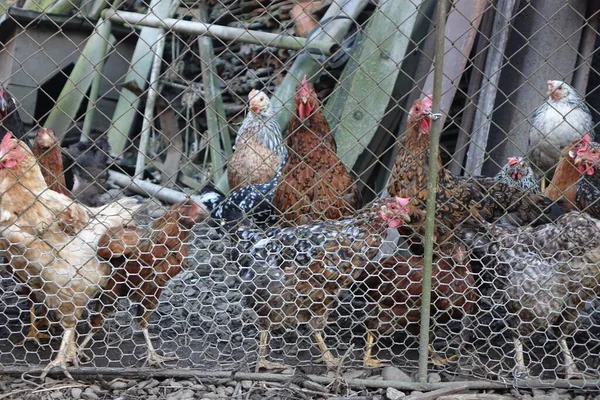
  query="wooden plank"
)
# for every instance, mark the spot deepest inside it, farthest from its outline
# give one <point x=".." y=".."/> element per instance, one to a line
<point x="468" y="114"/>
<point x="461" y="30"/>
<point x="487" y="97"/>
<point x="536" y="52"/>
<point x="587" y="46"/>
<point x="365" y="92"/>
<point x="141" y="63"/>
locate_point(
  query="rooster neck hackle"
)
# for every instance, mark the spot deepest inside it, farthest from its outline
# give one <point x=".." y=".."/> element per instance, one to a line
<point x="264" y="128"/>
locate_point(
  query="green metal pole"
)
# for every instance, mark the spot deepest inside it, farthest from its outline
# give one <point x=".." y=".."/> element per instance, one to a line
<point x="436" y="129"/>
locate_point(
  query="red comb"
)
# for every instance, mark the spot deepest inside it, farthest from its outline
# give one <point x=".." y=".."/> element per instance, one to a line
<point x="428" y="101"/>
<point x="512" y="161"/>
<point x="403" y="201"/>
<point x="304" y="81"/>
<point x="5" y="145"/>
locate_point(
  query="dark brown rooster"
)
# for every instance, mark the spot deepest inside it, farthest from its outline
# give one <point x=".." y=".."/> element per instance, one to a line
<point x="47" y="150"/>
<point x="393" y="285"/>
<point x="143" y="262"/>
<point x="315" y="184"/>
<point x="457" y="199"/>
<point x="294" y="275"/>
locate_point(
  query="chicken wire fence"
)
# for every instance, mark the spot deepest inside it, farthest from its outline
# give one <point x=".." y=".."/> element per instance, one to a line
<point x="189" y="103"/>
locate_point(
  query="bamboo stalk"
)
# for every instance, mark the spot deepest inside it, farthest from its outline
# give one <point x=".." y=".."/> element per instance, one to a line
<point x="64" y="111"/>
<point x="434" y="151"/>
<point x="148" y="120"/>
<point x="94" y="91"/>
<point x="216" y="119"/>
<point x="266" y="39"/>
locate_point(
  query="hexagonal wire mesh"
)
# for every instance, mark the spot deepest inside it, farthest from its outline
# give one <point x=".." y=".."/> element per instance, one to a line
<point x="289" y="251"/>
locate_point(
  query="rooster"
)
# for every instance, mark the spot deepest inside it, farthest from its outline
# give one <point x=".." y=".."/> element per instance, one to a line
<point x="561" y="119"/>
<point x="393" y="287"/>
<point x="10" y="120"/>
<point x="143" y="261"/>
<point x="315" y="184"/>
<point x="294" y="275"/>
<point x="259" y="148"/>
<point x="457" y="199"/>
<point x="543" y="275"/>
<point x="518" y="172"/>
<point x="51" y="243"/>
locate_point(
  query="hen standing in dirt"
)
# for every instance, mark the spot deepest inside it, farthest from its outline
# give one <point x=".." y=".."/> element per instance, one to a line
<point x="294" y="275"/>
<point x="315" y="184"/>
<point x="561" y="119"/>
<point x="51" y="242"/>
<point x="259" y="148"/>
<point x="543" y="275"/>
<point x="143" y="262"/>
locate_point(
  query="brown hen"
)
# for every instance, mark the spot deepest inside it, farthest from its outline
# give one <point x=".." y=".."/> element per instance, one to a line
<point x="457" y="199"/>
<point x="47" y="150"/>
<point x="393" y="287"/>
<point x="315" y="184"/>
<point x="567" y="174"/>
<point x="143" y="262"/>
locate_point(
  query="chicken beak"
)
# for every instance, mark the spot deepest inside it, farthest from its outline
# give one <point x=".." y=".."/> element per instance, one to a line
<point x="578" y="160"/>
<point x="255" y="108"/>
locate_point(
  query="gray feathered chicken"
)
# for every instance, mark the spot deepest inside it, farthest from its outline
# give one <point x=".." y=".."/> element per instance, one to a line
<point x="562" y="118"/>
<point x="517" y="172"/>
<point x="541" y="275"/>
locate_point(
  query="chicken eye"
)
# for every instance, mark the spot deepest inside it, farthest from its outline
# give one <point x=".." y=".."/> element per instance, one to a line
<point x="571" y="154"/>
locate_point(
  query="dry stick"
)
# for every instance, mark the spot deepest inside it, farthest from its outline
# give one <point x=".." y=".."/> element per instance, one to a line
<point x="88" y="373"/>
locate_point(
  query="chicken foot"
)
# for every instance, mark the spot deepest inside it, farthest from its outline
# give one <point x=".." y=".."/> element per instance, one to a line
<point x="152" y="357"/>
<point x="263" y="350"/>
<point x="67" y="353"/>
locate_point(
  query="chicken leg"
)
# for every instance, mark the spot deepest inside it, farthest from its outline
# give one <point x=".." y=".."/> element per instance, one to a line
<point x="35" y="333"/>
<point x="520" y="368"/>
<point x="328" y="358"/>
<point x="263" y="350"/>
<point x="368" y="360"/>
<point x="67" y="353"/>
<point x="572" y="372"/>
<point x="152" y="357"/>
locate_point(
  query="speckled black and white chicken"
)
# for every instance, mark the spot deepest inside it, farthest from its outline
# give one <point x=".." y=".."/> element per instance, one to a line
<point x="561" y="119"/>
<point x="293" y="276"/>
<point x="541" y="275"/>
<point x="518" y="172"/>
<point x="249" y="205"/>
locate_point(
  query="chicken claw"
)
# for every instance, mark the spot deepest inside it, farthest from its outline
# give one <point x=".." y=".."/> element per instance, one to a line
<point x="263" y="363"/>
<point x="368" y="360"/>
<point x="152" y="357"/>
<point x="438" y="360"/>
<point x="67" y="353"/>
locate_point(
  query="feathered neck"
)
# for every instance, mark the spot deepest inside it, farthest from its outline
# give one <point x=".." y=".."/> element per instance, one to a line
<point x="564" y="181"/>
<point x="25" y="177"/>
